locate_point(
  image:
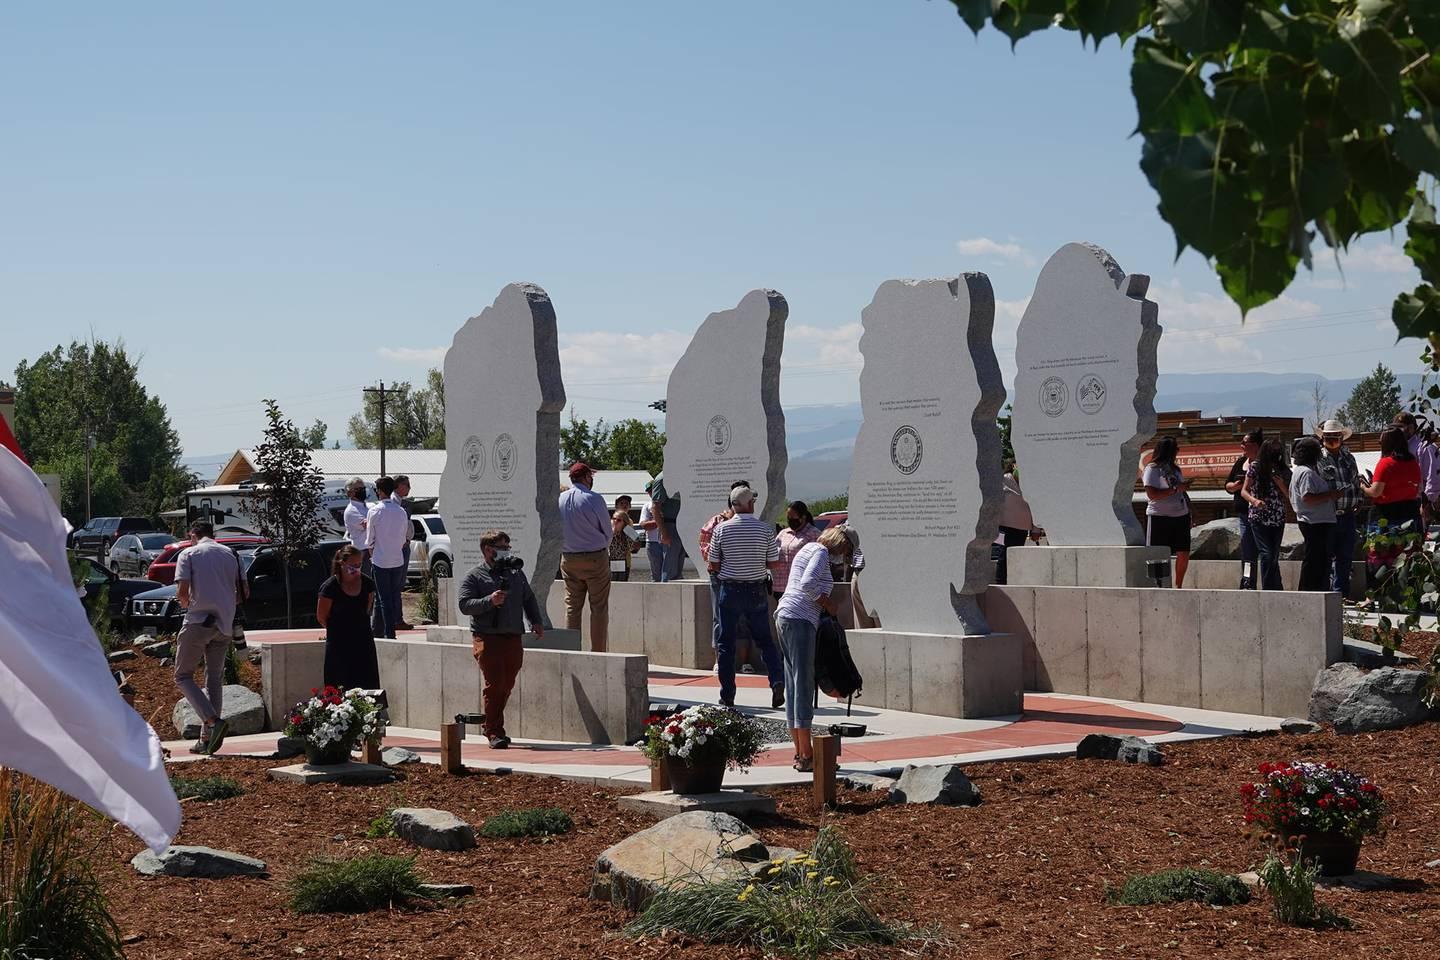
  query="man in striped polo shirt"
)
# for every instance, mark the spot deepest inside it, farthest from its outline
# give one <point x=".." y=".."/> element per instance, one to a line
<point x="741" y="552"/>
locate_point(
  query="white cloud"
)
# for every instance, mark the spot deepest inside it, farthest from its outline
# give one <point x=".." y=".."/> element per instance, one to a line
<point x="1386" y="258"/>
<point x="806" y="345"/>
<point x="1203" y="331"/>
<point x="994" y="250"/>
<point x="429" y="356"/>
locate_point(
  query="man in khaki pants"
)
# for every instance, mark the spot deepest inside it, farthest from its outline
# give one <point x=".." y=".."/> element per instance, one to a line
<point x="585" y="557"/>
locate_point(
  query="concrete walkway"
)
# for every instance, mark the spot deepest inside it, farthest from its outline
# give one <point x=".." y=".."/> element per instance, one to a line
<point x="1051" y="725"/>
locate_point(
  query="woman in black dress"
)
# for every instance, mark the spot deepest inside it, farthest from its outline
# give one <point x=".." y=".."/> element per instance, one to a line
<point x="343" y="609"/>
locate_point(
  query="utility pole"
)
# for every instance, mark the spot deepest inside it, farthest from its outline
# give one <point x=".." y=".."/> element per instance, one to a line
<point x="380" y="391"/>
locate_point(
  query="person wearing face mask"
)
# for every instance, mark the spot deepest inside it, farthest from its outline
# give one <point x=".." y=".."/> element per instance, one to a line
<point x="1249" y="551"/>
<point x="807" y="592"/>
<point x="497" y="598"/>
<point x="1339" y="468"/>
<point x="343" y="608"/>
<point x="799" y="530"/>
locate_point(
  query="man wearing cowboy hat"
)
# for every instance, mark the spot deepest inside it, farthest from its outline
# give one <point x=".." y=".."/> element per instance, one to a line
<point x="1339" y="467"/>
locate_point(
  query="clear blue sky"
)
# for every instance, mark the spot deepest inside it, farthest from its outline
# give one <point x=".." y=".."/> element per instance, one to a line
<point x="297" y="200"/>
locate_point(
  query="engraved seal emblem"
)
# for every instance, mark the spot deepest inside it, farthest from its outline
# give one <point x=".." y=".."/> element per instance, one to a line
<point x="1090" y="393"/>
<point x="717" y="434"/>
<point x="472" y="458"/>
<point x="505" y="456"/>
<point x="1054" y="396"/>
<point x="906" y="449"/>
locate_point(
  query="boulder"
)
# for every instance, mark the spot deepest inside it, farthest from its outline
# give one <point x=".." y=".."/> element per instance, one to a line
<point x="866" y="781"/>
<point x="1103" y="746"/>
<point x="945" y="786"/>
<point x="159" y="650"/>
<point x="1297" y="725"/>
<point x="120" y="656"/>
<point x="287" y="747"/>
<point x="1216" y="540"/>
<point x="432" y="829"/>
<point x="1332" y="686"/>
<point x="200" y="862"/>
<point x="1292" y="544"/>
<point x="693" y="847"/>
<point x="242" y="708"/>
<point x="394" y="756"/>
<point x="1385" y="699"/>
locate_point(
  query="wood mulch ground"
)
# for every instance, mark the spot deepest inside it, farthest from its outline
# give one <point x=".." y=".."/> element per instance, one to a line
<point x="1021" y="876"/>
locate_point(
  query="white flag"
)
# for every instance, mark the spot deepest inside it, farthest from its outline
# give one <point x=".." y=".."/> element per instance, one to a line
<point x="62" y="720"/>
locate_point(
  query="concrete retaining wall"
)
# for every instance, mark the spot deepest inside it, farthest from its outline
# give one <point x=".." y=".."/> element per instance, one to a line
<point x="560" y="694"/>
<point x="1081" y="566"/>
<point x="1237" y="650"/>
<point x="947" y="676"/>
<point x="1225" y="575"/>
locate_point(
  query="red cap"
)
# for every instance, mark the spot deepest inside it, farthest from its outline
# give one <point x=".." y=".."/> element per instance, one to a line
<point x="578" y="469"/>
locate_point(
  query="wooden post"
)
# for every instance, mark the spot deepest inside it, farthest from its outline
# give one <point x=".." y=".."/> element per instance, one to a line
<point x="370" y="753"/>
<point x="659" y="775"/>
<point x="450" y="747"/>
<point x="824" y="746"/>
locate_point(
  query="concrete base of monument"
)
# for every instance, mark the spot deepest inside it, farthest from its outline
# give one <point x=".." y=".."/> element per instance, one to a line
<point x="945" y="676"/>
<point x="664" y="803"/>
<point x="554" y="639"/>
<point x="351" y="772"/>
<point x="1033" y="566"/>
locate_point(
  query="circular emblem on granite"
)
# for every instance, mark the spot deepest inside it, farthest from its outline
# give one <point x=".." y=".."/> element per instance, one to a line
<point x="1090" y="393"/>
<point x="717" y="434"/>
<point x="1054" y="396"/>
<point x="505" y="456"/>
<point x="906" y="450"/>
<point x="472" y="458"/>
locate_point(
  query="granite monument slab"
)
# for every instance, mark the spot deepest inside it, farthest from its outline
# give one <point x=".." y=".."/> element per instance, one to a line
<point x="723" y="420"/>
<point x="925" y="492"/>
<point x="503" y="397"/>
<point x="1084" y="396"/>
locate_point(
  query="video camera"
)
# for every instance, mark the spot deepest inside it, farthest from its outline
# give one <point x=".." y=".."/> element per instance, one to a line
<point x="504" y="566"/>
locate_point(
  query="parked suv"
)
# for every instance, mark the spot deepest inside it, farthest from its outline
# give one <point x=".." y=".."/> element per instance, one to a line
<point x="430" y="547"/>
<point x="132" y="554"/>
<point x="162" y="568"/>
<point x="99" y="535"/>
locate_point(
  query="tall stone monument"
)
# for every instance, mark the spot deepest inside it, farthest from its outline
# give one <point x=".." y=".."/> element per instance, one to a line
<point x="1083" y="406"/>
<point x="925" y="491"/>
<point x="503" y="397"/>
<point x="723" y="420"/>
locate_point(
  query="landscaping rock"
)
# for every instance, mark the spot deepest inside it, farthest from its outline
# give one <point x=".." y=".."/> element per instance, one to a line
<point x="1297" y="725"/>
<point x="142" y="639"/>
<point x="867" y="781"/>
<point x="197" y="862"/>
<point x="946" y="786"/>
<point x="120" y="656"/>
<point x="1292" y="544"/>
<point x="1216" y="540"/>
<point x="159" y="650"/>
<point x="1385" y="699"/>
<point x="432" y="829"/>
<point x="287" y="747"/>
<point x="442" y="891"/>
<point x="1332" y="686"/>
<point x="1433" y="865"/>
<point x="1102" y="746"/>
<point x="394" y="756"/>
<point x="242" y="708"/>
<point x="665" y="803"/>
<point x="350" y="772"/>
<point x="693" y="847"/>
<point x="1365" y="881"/>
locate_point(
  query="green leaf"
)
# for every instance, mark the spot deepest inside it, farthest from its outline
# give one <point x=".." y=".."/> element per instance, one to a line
<point x="1265" y="29"/>
<point x="1322" y="179"/>
<point x="1269" y="105"/>
<point x="1417" y="314"/>
<point x="1098" y="19"/>
<point x="1417" y="142"/>
<point x="1423" y="247"/>
<point x="1167" y="95"/>
<point x="1199" y="26"/>
<point x="1208" y="208"/>
<point x="1381" y="189"/>
<point x="1018" y="19"/>
<point x="1424" y="17"/>
<point x="1368" y="66"/>
<point x="1254" y="272"/>
<point x="973" y="12"/>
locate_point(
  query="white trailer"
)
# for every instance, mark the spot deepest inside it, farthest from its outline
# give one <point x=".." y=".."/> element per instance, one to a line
<point x="224" y="506"/>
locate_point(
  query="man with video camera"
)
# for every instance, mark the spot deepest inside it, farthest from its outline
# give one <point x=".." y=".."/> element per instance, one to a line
<point x="497" y="598"/>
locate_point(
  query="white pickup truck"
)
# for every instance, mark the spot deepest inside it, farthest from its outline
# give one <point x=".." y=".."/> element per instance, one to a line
<point x="430" y="547"/>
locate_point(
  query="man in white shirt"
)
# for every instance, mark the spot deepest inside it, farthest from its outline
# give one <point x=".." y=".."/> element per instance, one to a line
<point x="387" y="530"/>
<point x="355" y="512"/>
<point x="402" y="490"/>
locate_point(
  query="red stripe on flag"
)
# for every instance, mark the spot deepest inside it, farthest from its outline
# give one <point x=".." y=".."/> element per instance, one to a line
<point x="8" y="441"/>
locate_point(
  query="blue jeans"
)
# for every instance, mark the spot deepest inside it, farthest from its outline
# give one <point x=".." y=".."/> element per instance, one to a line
<point x="714" y="612"/>
<point x="1342" y="548"/>
<point x="1267" y="542"/>
<point x="674" y="555"/>
<point x="797" y="645"/>
<point x="748" y="602"/>
<point x="655" y="553"/>
<point x="1249" y="553"/>
<point x="389" y="581"/>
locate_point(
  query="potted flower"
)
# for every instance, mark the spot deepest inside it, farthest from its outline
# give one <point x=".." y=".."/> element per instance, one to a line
<point x="1320" y="809"/>
<point x="698" y="744"/>
<point x="333" y="721"/>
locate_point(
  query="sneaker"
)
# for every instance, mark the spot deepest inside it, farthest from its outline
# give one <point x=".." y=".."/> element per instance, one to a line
<point x="727" y="702"/>
<point x="747" y="668"/>
<point x="777" y="697"/>
<point x="499" y="743"/>
<point x="201" y="746"/>
<point x="217" y="735"/>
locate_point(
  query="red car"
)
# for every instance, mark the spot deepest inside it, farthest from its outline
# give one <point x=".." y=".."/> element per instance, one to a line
<point x="827" y="519"/>
<point x="162" y="570"/>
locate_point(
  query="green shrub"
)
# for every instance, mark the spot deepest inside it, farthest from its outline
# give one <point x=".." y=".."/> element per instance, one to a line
<point x="801" y="907"/>
<point x="232" y="666"/>
<point x="382" y="826"/>
<point x="372" y="882"/>
<point x="51" y="904"/>
<point x="428" y="605"/>
<point x="1292" y="893"/>
<point x="528" y="822"/>
<point x="1187" y="883"/>
<point x="205" y="788"/>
